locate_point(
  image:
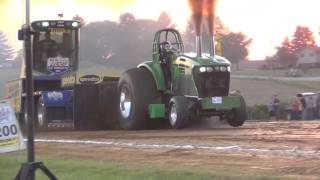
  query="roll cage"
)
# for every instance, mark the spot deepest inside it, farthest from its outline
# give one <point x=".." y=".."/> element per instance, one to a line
<point x="167" y="38"/>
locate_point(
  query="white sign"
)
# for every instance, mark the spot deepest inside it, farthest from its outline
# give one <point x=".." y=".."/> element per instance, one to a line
<point x="11" y="138"/>
<point x="216" y="100"/>
<point x="55" y="96"/>
<point x="58" y="64"/>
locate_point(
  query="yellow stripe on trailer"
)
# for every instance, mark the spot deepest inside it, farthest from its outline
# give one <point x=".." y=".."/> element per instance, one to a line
<point x="60" y="30"/>
<point x="88" y="78"/>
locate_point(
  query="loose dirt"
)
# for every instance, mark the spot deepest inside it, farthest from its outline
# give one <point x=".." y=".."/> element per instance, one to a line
<point x="286" y="148"/>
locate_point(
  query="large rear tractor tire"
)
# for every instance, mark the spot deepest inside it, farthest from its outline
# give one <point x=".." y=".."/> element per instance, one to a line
<point x="137" y="89"/>
<point x="238" y="115"/>
<point x="179" y="113"/>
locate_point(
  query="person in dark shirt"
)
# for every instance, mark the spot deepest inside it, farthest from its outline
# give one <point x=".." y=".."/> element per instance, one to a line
<point x="276" y="105"/>
<point x="48" y="47"/>
<point x="165" y="55"/>
<point x="317" y="110"/>
<point x="303" y="106"/>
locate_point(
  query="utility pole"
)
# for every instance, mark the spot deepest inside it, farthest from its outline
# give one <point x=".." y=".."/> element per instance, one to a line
<point x="29" y="84"/>
<point x="27" y="170"/>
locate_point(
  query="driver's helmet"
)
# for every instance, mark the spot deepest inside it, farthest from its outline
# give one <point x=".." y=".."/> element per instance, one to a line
<point x="165" y="46"/>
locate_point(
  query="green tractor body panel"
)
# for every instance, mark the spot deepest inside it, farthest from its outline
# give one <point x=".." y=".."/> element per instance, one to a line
<point x="183" y="77"/>
<point x="157" y="110"/>
<point x="157" y="73"/>
<point x="220" y="103"/>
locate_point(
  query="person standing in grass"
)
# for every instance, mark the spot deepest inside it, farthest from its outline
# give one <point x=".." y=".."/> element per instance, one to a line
<point x="302" y="107"/>
<point x="276" y="107"/>
<point x="270" y="109"/>
<point x="296" y="108"/>
<point x="317" y="111"/>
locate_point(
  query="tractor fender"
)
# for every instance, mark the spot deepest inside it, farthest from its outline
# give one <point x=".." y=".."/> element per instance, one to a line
<point x="157" y="73"/>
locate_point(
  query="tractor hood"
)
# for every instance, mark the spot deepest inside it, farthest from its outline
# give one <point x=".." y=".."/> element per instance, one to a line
<point x="205" y="59"/>
<point x="211" y="75"/>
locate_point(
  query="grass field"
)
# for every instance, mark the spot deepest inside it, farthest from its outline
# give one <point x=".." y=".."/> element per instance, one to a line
<point x="255" y="91"/>
<point x="277" y="72"/>
<point x="83" y="169"/>
<point x="260" y="91"/>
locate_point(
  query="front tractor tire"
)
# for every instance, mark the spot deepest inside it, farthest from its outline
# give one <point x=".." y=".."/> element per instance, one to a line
<point x="179" y="114"/>
<point x="238" y="115"/>
<point x="137" y="89"/>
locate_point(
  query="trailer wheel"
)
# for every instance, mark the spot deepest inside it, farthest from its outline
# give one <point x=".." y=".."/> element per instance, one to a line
<point x="238" y="115"/>
<point x="179" y="114"/>
<point x="41" y="115"/>
<point x="24" y="115"/>
<point x="137" y="90"/>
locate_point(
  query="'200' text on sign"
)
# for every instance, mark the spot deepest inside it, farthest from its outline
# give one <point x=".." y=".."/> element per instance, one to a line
<point x="10" y="134"/>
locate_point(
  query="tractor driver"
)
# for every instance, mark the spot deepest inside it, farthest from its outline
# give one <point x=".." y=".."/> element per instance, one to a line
<point x="165" y="56"/>
<point x="48" y="47"/>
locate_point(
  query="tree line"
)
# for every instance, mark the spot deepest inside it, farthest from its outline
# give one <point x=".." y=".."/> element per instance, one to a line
<point x="286" y="55"/>
<point x="6" y="50"/>
<point x="128" y="42"/>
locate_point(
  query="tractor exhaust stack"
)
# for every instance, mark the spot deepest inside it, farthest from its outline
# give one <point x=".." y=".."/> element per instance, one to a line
<point x="212" y="47"/>
<point x="198" y="46"/>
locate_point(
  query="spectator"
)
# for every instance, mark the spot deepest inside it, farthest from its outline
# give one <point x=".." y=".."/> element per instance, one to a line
<point x="317" y="114"/>
<point x="302" y="106"/>
<point x="296" y="108"/>
<point x="310" y="106"/>
<point x="271" y="109"/>
<point x="314" y="107"/>
<point x="276" y="107"/>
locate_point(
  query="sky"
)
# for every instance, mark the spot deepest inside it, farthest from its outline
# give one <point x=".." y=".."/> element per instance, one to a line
<point x="267" y="22"/>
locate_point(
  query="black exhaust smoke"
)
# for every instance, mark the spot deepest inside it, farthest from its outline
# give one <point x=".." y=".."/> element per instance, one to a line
<point x="196" y="11"/>
<point x="210" y="6"/>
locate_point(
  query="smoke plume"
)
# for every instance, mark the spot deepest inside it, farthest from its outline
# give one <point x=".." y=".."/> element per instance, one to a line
<point x="196" y="11"/>
<point x="209" y="10"/>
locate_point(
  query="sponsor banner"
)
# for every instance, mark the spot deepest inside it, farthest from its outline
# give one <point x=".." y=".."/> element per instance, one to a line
<point x="58" y="65"/>
<point x="90" y="79"/>
<point x="57" y="98"/>
<point x="10" y="133"/>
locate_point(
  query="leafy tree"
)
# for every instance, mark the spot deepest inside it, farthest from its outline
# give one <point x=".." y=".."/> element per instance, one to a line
<point x="303" y="38"/>
<point x="126" y="18"/>
<point x="122" y="44"/>
<point x="6" y="51"/>
<point x="285" y="53"/>
<point x="220" y="28"/>
<point x="235" y="47"/>
<point x="190" y="34"/>
<point x="80" y="19"/>
<point x="165" y="21"/>
<point x="97" y="42"/>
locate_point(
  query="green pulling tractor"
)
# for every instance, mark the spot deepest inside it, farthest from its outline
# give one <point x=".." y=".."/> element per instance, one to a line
<point x="177" y="87"/>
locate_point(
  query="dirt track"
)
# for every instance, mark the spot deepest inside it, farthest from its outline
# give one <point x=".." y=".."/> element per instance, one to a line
<point x="286" y="148"/>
